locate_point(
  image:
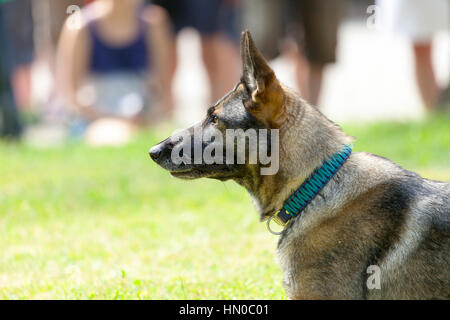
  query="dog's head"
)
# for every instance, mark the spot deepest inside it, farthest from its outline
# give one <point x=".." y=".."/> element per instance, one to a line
<point x="255" y="103"/>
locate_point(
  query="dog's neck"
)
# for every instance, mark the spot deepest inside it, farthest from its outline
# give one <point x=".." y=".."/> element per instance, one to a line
<point x="307" y="139"/>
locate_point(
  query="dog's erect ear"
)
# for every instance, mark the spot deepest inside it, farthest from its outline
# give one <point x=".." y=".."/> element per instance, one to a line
<point x="256" y="73"/>
<point x="261" y="81"/>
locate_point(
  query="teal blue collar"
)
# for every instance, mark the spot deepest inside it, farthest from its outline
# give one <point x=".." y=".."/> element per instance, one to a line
<point x="308" y="190"/>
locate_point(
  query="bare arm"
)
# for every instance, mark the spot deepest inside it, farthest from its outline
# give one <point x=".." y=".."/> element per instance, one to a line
<point x="73" y="66"/>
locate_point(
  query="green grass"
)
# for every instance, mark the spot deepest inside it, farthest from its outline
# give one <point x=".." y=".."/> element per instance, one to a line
<point x="80" y="223"/>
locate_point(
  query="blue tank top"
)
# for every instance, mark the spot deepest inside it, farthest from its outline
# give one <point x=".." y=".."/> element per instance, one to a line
<point x="132" y="57"/>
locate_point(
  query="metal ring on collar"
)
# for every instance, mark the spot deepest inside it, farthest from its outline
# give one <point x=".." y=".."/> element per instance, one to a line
<point x="270" y="230"/>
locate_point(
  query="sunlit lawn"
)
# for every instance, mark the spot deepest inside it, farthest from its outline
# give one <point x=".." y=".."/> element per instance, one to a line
<point x="79" y="222"/>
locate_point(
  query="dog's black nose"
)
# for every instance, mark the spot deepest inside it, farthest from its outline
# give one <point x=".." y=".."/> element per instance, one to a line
<point x="155" y="152"/>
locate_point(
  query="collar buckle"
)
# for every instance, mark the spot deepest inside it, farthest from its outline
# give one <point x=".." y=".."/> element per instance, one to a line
<point x="278" y="220"/>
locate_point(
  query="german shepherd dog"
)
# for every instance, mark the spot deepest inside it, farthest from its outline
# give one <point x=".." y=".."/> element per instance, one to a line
<point x="371" y="213"/>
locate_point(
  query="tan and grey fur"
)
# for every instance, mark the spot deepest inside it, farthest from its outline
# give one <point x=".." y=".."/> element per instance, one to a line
<point x="372" y="212"/>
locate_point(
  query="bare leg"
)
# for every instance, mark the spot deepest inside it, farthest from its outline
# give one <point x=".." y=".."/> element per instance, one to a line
<point x="315" y="82"/>
<point x="172" y="62"/>
<point x="425" y="77"/>
<point x="301" y="73"/>
<point x="166" y="75"/>
<point x="221" y="59"/>
<point x="21" y="83"/>
<point x="209" y="59"/>
<point x="309" y="79"/>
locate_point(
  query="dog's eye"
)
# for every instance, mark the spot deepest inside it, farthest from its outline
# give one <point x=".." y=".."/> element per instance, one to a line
<point x="214" y="119"/>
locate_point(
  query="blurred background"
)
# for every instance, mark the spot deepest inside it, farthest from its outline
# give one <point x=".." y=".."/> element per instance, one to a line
<point x="68" y="64"/>
<point x="87" y="87"/>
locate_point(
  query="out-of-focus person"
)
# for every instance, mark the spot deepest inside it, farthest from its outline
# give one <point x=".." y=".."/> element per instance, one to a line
<point x="313" y="24"/>
<point x="112" y="60"/>
<point x="305" y="31"/>
<point x="419" y="21"/>
<point x="16" y="55"/>
<point x="217" y="23"/>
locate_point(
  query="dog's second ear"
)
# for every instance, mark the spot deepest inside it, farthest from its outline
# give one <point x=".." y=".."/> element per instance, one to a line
<point x="259" y="78"/>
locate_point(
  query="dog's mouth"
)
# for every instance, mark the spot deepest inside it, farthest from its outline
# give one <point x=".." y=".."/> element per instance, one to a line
<point x="185" y="174"/>
<point x="221" y="172"/>
<point x="183" y="171"/>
